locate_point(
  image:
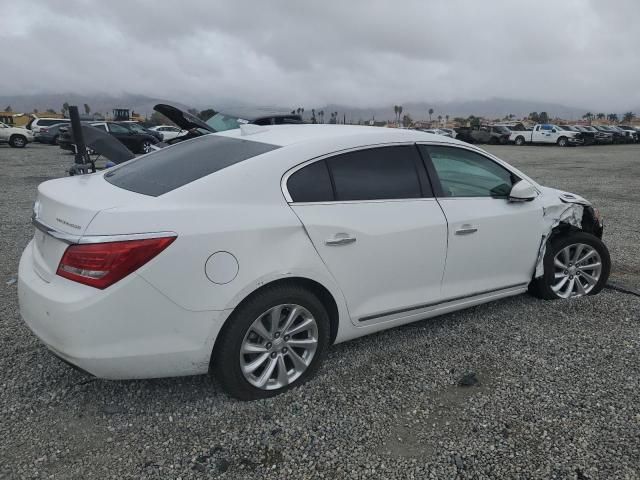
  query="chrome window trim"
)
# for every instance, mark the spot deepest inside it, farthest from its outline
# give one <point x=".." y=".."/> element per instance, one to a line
<point x="88" y="239"/>
<point x="292" y="170"/>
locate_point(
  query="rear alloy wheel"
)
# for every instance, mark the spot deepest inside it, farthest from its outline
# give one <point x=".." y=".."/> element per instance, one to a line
<point x="562" y="142"/>
<point x="279" y="346"/>
<point x="575" y="265"/>
<point x="17" y="141"/>
<point x="146" y="146"/>
<point x="520" y="141"/>
<point x="273" y="341"/>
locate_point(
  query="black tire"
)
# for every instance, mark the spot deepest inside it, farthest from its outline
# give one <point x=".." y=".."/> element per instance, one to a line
<point x="225" y="360"/>
<point x="541" y="287"/>
<point x="520" y="141"/>
<point x="145" y="146"/>
<point x="18" y="141"/>
<point x="562" y="142"/>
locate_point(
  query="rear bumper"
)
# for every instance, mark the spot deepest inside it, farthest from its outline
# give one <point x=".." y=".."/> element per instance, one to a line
<point x="129" y="330"/>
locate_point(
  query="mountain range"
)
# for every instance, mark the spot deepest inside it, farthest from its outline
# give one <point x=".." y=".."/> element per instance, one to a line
<point x="489" y="108"/>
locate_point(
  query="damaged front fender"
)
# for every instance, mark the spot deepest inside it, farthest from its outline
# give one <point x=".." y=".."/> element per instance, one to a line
<point x="569" y="211"/>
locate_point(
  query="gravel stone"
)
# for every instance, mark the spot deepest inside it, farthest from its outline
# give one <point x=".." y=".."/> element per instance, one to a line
<point x="559" y="396"/>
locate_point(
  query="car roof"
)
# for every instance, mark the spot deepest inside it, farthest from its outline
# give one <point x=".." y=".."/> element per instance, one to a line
<point x="283" y="135"/>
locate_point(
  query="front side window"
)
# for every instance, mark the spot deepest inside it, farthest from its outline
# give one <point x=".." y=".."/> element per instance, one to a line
<point x="463" y="173"/>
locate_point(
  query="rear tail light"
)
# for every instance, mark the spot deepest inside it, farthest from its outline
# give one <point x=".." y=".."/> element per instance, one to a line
<point x="100" y="265"/>
<point x="44" y="130"/>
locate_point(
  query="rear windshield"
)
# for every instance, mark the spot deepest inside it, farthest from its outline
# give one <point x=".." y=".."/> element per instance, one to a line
<point x="171" y="168"/>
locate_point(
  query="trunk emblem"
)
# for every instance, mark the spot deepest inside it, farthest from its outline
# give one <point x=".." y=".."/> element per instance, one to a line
<point x="68" y="224"/>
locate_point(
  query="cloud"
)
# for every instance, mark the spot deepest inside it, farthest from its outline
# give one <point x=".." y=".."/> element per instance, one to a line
<point x="359" y="53"/>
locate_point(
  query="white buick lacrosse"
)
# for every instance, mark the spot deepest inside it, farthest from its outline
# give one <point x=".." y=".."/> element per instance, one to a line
<point x="247" y="253"/>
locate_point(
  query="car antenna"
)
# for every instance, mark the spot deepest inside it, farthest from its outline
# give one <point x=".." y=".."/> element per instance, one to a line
<point x="83" y="163"/>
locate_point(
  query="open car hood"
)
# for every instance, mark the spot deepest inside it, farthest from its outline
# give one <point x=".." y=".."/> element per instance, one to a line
<point x="182" y="119"/>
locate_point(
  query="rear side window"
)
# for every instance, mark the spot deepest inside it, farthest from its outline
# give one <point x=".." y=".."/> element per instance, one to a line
<point x="46" y="123"/>
<point x="376" y="174"/>
<point x="178" y="165"/>
<point x="311" y="184"/>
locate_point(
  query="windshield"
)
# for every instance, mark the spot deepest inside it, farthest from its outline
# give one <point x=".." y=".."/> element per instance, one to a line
<point x="221" y="122"/>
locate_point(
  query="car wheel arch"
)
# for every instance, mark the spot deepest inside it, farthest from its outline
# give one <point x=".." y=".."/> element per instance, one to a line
<point x="322" y="292"/>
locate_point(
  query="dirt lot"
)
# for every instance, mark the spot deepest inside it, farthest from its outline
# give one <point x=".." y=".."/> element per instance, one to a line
<point x="558" y="394"/>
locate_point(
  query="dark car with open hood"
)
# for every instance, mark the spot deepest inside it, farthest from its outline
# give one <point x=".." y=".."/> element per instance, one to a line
<point x="221" y="122"/>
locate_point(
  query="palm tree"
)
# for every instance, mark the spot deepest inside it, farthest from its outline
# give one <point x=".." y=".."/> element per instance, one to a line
<point x="446" y="117"/>
<point x="601" y="116"/>
<point x="321" y="115"/>
<point x="399" y="112"/>
<point x="313" y="116"/>
<point x="588" y="116"/>
<point x="395" y="110"/>
<point x="430" y="113"/>
<point x="612" y="117"/>
<point x="628" y="117"/>
<point x="439" y="119"/>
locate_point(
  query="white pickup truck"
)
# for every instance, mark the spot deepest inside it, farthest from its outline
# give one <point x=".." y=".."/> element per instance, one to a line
<point x="546" y="133"/>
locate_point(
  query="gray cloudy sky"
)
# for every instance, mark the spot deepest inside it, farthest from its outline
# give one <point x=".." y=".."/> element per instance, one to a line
<point x="358" y="53"/>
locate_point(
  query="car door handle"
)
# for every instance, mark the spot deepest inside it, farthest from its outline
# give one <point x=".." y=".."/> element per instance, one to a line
<point x="466" y="230"/>
<point x="340" y="239"/>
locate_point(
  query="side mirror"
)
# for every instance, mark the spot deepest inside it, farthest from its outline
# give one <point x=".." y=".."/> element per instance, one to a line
<point x="522" y="191"/>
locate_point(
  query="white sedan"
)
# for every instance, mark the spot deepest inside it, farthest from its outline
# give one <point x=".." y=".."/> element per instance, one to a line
<point x="248" y="253"/>
<point x="168" y="131"/>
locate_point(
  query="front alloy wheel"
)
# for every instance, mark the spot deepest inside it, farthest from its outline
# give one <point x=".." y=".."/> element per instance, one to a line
<point x="575" y="264"/>
<point x="577" y="270"/>
<point x="146" y="146"/>
<point x="279" y="346"/>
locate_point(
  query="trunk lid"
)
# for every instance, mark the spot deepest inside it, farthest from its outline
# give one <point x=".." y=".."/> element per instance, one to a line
<point x="67" y="206"/>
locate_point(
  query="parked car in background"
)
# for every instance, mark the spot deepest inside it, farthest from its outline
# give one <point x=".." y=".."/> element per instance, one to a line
<point x="134" y="141"/>
<point x="221" y="122"/>
<point x="436" y="131"/>
<point x="547" y="133"/>
<point x="136" y="127"/>
<point x="602" y="138"/>
<point x="491" y="134"/>
<point x="168" y="132"/>
<point x="633" y="131"/>
<point x="248" y="253"/>
<point x="630" y="135"/>
<point x="588" y="137"/>
<point x="35" y="124"/>
<point x="15" y="136"/>
<point x="618" y="137"/>
<point x="50" y="134"/>
<point x="452" y="133"/>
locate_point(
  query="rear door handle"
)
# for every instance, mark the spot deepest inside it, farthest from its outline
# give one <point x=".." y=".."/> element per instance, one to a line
<point x="466" y="230"/>
<point x="340" y="239"/>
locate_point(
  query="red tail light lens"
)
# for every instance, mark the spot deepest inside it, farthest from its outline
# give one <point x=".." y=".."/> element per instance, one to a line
<point x="100" y="265"/>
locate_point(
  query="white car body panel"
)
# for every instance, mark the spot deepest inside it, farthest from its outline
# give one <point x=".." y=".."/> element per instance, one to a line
<point x="391" y="241"/>
<point x="163" y="319"/>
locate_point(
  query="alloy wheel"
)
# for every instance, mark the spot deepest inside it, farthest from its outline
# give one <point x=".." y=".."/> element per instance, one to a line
<point x="577" y="270"/>
<point x="279" y="346"/>
<point x="146" y="147"/>
<point x="19" y="142"/>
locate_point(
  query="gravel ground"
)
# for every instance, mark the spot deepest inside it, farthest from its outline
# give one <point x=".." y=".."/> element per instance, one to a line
<point x="555" y="392"/>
